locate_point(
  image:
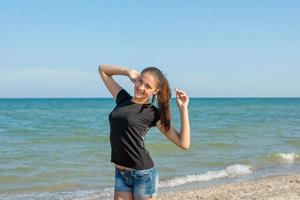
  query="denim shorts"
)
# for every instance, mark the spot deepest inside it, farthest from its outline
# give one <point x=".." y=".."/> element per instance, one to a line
<point x="142" y="183"/>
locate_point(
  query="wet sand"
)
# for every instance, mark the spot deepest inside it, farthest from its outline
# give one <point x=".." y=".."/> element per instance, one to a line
<point x="275" y="188"/>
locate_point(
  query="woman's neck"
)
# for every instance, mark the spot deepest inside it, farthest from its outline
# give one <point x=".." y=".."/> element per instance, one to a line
<point x="140" y="101"/>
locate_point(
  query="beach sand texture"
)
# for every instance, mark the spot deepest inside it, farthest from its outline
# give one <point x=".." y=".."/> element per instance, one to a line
<point x="271" y="188"/>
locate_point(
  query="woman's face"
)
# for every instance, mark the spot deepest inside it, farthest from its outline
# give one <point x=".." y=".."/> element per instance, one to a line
<point x="145" y="86"/>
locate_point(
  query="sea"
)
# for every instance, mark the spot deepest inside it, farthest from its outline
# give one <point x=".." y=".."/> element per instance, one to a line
<point x="58" y="148"/>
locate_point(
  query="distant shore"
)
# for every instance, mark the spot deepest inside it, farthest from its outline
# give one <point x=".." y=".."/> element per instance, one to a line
<point x="271" y="188"/>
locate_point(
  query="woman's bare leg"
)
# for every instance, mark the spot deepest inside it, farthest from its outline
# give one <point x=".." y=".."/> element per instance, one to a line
<point x="123" y="196"/>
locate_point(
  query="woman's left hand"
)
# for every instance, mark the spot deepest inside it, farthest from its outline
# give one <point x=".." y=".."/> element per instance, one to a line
<point x="181" y="98"/>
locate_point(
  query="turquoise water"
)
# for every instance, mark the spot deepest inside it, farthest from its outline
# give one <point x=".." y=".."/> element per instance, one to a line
<point x="59" y="148"/>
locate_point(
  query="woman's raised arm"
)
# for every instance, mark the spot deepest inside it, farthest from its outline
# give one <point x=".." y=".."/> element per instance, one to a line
<point x="181" y="139"/>
<point x="106" y="72"/>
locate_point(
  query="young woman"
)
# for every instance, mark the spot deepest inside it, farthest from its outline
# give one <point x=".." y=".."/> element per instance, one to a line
<point x="135" y="173"/>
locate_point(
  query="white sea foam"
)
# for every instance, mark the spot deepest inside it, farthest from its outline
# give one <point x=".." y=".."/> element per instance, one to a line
<point x="106" y="194"/>
<point x="231" y="171"/>
<point x="287" y="157"/>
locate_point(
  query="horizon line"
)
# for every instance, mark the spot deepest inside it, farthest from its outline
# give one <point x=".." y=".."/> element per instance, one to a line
<point x="206" y="97"/>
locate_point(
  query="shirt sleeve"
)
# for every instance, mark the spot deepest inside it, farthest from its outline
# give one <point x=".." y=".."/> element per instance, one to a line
<point x="122" y="96"/>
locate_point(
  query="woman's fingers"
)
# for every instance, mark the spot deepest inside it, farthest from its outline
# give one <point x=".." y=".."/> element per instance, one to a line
<point x="182" y="98"/>
<point x="180" y="93"/>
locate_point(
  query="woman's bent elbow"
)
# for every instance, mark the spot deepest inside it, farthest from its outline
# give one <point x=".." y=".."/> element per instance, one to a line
<point x="185" y="147"/>
<point x="99" y="68"/>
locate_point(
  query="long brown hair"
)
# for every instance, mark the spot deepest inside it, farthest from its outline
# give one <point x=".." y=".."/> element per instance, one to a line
<point x="163" y="97"/>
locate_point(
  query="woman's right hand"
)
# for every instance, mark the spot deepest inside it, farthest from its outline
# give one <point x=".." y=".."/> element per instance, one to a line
<point x="133" y="75"/>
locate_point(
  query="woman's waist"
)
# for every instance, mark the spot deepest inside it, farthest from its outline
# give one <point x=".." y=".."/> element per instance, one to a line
<point x="124" y="169"/>
<point x="120" y="167"/>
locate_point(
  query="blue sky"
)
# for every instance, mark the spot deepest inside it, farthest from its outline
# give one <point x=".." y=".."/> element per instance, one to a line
<point x="207" y="48"/>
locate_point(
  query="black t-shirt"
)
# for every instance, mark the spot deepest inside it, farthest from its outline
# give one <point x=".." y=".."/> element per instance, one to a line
<point x="129" y="122"/>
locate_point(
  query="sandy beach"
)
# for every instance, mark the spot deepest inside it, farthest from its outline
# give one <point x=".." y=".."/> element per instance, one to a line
<point x="270" y="188"/>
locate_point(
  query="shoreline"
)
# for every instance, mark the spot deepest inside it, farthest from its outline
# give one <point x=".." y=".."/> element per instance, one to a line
<point x="278" y="187"/>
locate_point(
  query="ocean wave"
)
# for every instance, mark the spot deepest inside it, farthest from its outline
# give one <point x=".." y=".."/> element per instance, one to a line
<point x="286" y="157"/>
<point x="231" y="171"/>
<point x="105" y="194"/>
<point x="279" y="158"/>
